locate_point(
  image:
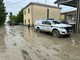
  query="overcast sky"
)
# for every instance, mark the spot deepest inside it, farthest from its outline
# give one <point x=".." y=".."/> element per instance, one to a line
<point x="15" y="6"/>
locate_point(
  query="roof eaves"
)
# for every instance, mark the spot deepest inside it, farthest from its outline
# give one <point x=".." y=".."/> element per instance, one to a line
<point x="69" y="12"/>
<point x="34" y="3"/>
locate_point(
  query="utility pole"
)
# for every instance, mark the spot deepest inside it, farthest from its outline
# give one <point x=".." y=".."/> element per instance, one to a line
<point x="45" y="1"/>
<point x="78" y="17"/>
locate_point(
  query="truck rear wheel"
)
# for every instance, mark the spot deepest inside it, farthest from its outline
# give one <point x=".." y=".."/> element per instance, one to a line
<point x="56" y="33"/>
<point x="38" y="29"/>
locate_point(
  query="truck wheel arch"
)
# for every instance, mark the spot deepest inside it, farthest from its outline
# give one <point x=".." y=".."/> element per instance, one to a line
<point x="54" y="29"/>
<point x="57" y="31"/>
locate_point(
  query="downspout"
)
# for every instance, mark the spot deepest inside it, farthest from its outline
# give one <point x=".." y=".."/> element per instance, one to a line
<point x="32" y="15"/>
<point x="78" y="17"/>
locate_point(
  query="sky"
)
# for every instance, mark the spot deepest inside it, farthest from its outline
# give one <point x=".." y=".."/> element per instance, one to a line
<point x="15" y="6"/>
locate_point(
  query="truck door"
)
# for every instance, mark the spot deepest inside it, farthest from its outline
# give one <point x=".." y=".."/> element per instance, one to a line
<point x="43" y="26"/>
<point x="48" y="26"/>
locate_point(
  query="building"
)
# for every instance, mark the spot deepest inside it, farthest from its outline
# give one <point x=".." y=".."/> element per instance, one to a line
<point x="34" y="11"/>
<point x="72" y="3"/>
<point x="69" y="16"/>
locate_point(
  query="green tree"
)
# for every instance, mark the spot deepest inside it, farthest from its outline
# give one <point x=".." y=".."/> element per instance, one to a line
<point x="13" y="19"/>
<point x="10" y="17"/>
<point x="2" y="13"/>
<point x="16" y="19"/>
<point x="20" y="17"/>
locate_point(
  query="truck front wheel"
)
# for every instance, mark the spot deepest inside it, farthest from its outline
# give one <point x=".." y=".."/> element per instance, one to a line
<point x="56" y="33"/>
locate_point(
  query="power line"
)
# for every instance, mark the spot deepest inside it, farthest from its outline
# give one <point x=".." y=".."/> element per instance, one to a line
<point x="15" y="3"/>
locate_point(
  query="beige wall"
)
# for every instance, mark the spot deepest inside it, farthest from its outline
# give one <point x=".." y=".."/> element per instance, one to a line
<point x="62" y="17"/>
<point x="28" y="15"/>
<point x="40" y="12"/>
<point x="55" y="13"/>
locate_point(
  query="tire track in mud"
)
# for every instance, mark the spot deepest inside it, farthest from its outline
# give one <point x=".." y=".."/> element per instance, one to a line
<point x="2" y="42"/>
<point x="26" y="55"/>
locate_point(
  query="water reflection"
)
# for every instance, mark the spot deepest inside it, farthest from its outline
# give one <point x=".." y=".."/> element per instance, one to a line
<point x="21" y="41"/>
<point x="65" y="46"/>
<point x="2" y="35"/>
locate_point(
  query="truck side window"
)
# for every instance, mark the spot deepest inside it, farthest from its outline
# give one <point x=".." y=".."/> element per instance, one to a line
<point x="56" y="22"/>
<point x="43" y="22"/>
<point x="48" y="23"/>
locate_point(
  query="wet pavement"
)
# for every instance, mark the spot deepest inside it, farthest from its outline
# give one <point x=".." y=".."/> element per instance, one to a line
<point x="19" y="43"/>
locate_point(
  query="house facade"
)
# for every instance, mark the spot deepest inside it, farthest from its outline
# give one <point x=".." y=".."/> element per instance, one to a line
<point x="35" y="11"/>
<point x="69" y="16"/>
<point x="72" y="3"/>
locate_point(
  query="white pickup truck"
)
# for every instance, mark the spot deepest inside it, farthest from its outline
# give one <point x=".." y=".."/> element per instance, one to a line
<point x="55" y="27"/>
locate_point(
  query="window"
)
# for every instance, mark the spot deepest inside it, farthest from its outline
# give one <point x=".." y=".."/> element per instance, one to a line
<point x="43" y="22"/>
<point x="47" y="13"/>
<point x="48" y="23"/>
<point x="28" y="10"/>
<point x="29" y="21"/>
<point x="56" y="22"/>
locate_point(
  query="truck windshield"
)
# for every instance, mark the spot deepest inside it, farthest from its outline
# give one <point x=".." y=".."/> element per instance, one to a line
<point x="56" y="22"/>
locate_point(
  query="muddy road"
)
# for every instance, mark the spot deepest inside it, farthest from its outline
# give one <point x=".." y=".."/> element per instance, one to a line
<point x="19" y="43"/>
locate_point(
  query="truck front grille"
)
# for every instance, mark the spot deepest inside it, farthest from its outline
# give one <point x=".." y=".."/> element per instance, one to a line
<point x="68" y="29"/>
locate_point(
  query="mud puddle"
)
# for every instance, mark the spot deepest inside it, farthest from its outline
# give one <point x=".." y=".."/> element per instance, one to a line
<point x="24" y="44"/>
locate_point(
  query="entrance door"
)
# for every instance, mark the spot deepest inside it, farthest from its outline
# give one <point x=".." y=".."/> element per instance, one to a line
<point x="28" y="21"/>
